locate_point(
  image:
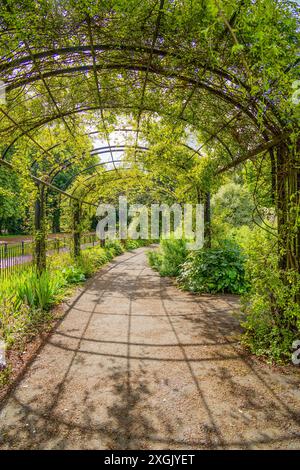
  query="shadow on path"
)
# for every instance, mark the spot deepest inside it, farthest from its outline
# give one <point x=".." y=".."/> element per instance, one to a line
<point x="138" y="364"/>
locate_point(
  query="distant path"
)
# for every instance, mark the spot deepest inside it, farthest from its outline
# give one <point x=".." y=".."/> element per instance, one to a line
<point x="22" y="259"/>
<point x="28" y="238"/>
<point x="138" y="364"/>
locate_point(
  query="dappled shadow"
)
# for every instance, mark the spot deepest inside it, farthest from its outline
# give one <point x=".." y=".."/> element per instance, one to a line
<point x="132" y="368"/>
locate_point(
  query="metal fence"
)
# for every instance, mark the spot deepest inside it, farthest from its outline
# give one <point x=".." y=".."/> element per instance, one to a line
<point x="15" y="256"/>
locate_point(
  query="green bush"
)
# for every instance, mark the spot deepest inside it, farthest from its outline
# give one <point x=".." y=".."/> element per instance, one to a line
<point x="272" y="306"/>
<point x="73" y="274"/>
<point x="133" y="244"/>
<point x="233" y="204"/>
<point x="114" y="246"/>
<point x="215" y="270"/>
<point x="169" y="258"/>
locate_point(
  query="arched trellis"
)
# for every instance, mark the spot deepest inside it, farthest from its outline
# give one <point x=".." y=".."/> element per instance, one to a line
<point x="150" y="59"/>
<point x="137" y="67"/>
<point x="94" y="188"/>
<point x="251" y="154"/>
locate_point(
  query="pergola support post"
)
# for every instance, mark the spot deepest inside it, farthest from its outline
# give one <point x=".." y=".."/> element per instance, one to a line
<point x="40" y="229"/>
<point x="76" y="229"/>
<point x="207" y="221"/>
<point x="204" y="198"/>
<point x="288" y="206"/>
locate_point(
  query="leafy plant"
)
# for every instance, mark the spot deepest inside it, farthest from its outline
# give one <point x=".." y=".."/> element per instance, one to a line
<point x="36" y="290"/>
<point x="114" y="246"/>
<point x="169" y="258"/>
<point x="272" y="305"/>
<point x="133" y="244"/>
<point x="14" y="319"/>
<point x="215" y="270"/>
<point x="73" y="275"/>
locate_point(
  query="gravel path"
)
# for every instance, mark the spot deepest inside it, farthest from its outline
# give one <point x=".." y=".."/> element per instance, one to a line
<point x="138" y="364"/>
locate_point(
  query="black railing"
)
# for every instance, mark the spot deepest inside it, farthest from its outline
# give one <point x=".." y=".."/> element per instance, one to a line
<point x="15" y="256"/>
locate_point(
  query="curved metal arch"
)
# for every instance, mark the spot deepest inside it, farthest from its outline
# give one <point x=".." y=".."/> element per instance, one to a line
<point x="107" y="171"/>
<point x="116" y="179"/>
<point x="106" y="149"/>
<point x="68" y="162"/>
<point x="115" y="148"/>
<point x="98" y="164"/>
<point x="120" y="47"/>
<point x="98" y="150"/>
<point x="227" y="97"/>
<point x="144" y="49"/>
<point x="120" y="107"/>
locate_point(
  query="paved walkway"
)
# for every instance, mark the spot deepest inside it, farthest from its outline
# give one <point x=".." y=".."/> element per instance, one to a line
<point x="138" y="364"/>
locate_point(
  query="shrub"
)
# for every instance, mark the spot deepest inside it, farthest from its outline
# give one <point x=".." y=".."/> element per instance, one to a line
<point x="272" y="305"/>
<point x="73" y="274"/>
<point x="133" y="244"/>
<point x="169" y="258"/>
<point x="5" y="375"/>
<point x="233" y="204"/>
<point x="215" y="270"/>
<point x="114" y="246"/>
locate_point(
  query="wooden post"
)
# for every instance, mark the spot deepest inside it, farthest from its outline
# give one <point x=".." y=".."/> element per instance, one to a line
<point x="39" y="229"/>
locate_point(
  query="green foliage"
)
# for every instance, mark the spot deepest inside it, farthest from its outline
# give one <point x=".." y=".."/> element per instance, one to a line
<point x="169" y="258"/>
<point x="233" y="204"/>
<point x="11" y="204"/>
<point x="73" y="275"/>
<point x="272" y="306"/>
<point x="114" y="246"/>
<point x="237" y="58"/>
<point x="36" y="290"/>
<point x="14" y="319"/>
<point x="215" y="270"/>
<point x="133" y="244"/>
